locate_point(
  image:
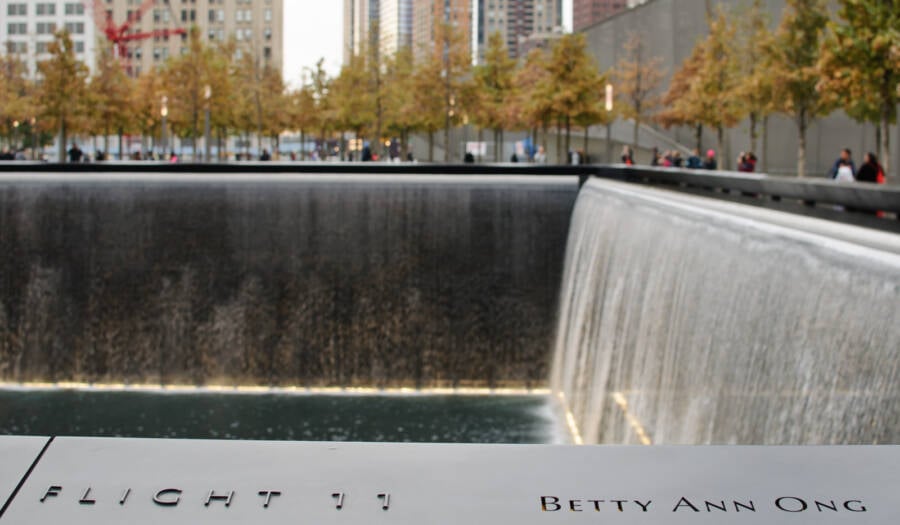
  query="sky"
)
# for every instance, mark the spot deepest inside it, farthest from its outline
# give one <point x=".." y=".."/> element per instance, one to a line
<point x="314" y="29"/>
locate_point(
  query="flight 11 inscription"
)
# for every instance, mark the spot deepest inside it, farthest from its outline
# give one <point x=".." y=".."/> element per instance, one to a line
<point x="106" y="481"/>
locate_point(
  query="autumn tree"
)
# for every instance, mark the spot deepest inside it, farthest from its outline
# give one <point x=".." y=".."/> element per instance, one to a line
<point x="186" y="78"/>
<point x="718" y="79"/>
<point x="491" y="89"/>
<point x="63" y="89"/>
<point x="353" y="102"/>
<point x="681" y="105"/>
<point x="15" y="103"/>
<point x="446" y="67"/>
<point x="303" y="117"/>
<point x="533" y="100"/>
<point x="795" y="73"/>
<point x="754" y="90"/>
<point x="577" y="84"/>
<point x="638" y="79"/>
<point x="401" y="113"/>
<point x="111" y="97"/>
<point x="860" y="65"/>
<point x="320" y="85"/>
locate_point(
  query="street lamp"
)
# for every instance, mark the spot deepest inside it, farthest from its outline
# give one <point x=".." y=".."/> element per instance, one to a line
<point x="609" y="108"/>
<point x="34" y="138"/>
<point x="164" y="113"/>
<point x="207" y="95"/>
<point x="15" y="134"/>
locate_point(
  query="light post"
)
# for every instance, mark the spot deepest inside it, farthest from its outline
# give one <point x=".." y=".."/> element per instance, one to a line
<point x="609" y="108"/>
<point x="207" y="95"/>
<point x="34" y="136"/>
<point x="164" y="113"/>
<point x="16" y="135"/>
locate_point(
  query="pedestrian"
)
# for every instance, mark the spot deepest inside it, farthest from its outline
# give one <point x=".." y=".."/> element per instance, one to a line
<point x="677" y="160"/>
<point x="846" y="159"/>
<point x="627" y="156"/>
<point x="654" y="159"/>
<point x="266" y="156"/>
<point x="710" y="163"/>
<point x="541" y="156"/>
<point x="514" y="158"/>
<point x="75" y="153"/>
<point x="870" y="171"/>
<point x="844" y="171"/>
<point x="694" y="162"/>
<point x="367" y="153"/>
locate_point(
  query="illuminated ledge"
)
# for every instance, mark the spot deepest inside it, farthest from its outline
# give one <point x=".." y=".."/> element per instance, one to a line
<point x="114" y="481"/>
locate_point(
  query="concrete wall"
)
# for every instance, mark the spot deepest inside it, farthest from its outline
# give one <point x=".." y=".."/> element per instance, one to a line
<point x="670" y="29"/>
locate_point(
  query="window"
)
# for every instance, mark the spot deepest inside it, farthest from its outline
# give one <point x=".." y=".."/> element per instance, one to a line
<point x="75" y="28"/>
<point x="40" y="47"/>
<point x="17" y="28"/>
<point x="74" y="8"/>
<point x="46" y="9"/>
<point x="79" y="47"/>
<point x="46" y="28"/>
<point x="17" y="9"/>
<point x="268" y="15"/>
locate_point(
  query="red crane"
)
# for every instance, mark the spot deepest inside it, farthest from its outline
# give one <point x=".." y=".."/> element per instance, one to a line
<point x="121" y="35"/>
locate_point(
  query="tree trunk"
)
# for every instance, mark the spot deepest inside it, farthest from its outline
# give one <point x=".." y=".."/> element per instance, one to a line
<point x="885" y="145"/>
<point x="62" y="140"/>
<point x="430" y="146"/>
<point x="637" y="128"/>
<point x="754" y="118"/>
<point x="801" y="148"/>
<point x="559" y="145"/>
<point x="343" y="147"/>
<point x="500" y="145"/>
<point x="698" y="133"/>
<point x="720" y="144"/>
<point x="302" y="143"/>
<point x="447" y="158"/>
<point x="584" y="150"/>
<point x="480" y="142"/>
<point x="106" y="140"/>
<point x="765" y="144"/>
<point x="121" y="154"/>
<point x="568" y="139"/>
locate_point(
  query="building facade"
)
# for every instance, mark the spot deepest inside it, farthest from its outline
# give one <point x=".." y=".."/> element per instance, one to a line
<point x="589" y="12"/>
<point x="428" y="15"/>
<point x="255" y="25"/>
<point x="522" y="23"/>
<point x="360" y="25"/>
<point x="395" y="20"/>
<point x="28" y="27"/>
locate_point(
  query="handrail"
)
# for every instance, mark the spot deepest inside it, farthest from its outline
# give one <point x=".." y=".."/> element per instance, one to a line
<point x="857" y="196"/>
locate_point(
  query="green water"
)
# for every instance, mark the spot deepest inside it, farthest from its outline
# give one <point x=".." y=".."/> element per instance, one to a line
<point x="389" y="418"/>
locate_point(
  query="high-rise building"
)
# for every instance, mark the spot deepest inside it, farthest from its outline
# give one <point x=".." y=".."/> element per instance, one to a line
<point x="395" y="25"/>
<point x="589" y="12"/>
<point x="360" y="25"/>
<point x="518" y="21"/>
<point x="28" y="27"/>
<point x="427" y="17"/>
<point x="255" y="25"/>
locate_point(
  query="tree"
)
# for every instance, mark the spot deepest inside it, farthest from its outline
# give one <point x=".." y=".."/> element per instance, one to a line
<point x="325" y="111"/>
<point x="400" y="110"/>
<point x="682" y="105"/>
<point x="638" y="79"/>
<point x="754" y="90"/>
<point x="717" y="80"/>
<point x="303" y="117"/>
<point x="15" y="103"/>
<point x="186" y="78"/>
<point x="491" y="91"/>
<point x="146" y="105"/>
<point x="860" y="65"/>
<point x="577" y="84"/>
<point x="111" y="97"/>
<point x="63" y="90"/>
<point x="450" y="56"/>
<point x="353" y="102"/>
<point x="795" y="73"/>
<point x="533" y="100"/>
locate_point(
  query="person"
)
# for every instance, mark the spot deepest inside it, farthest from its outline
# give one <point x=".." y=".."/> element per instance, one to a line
<point x="627" y="156"/>
<point x="654" y="157"/>
<point x="541" y="156"/>
<point x="469" y="158"/>
<point x="574" y="157"/>
<point x="75" y="153"/>
<point x="710" y="162"/>
<point x="845" y="171"/>
<point x="846" y="159"/>
<point x="367" y="153"/>
<point x="173" y="158"/>
<point x="870" y="170"/>
<point x="266" y="156"/>
<point x="694" y="162"/>
<point x="514" y="158"/>
<point x="677" y="160"/>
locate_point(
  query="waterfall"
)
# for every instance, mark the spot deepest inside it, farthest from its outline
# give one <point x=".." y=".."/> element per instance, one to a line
<point x="381" y="281"/>
<point x="688" y="321"/>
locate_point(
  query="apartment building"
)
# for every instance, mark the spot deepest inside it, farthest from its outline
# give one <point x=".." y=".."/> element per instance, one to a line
<point x="28" y="27"/>
<point x="522" y="23"/>
<point x="428" y="15"/>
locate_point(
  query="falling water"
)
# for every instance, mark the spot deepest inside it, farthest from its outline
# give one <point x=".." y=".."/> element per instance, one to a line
<point x="280" y="280"/>
<point x="687" y="323"/>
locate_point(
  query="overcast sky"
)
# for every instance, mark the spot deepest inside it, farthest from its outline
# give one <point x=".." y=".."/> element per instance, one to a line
<point x="314" y="29"/>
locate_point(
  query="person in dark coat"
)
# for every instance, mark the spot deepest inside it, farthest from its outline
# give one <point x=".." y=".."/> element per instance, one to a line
<point x="75" y="153"/>
<point x="710" y="163"/>
<point x="870" y="169"/>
